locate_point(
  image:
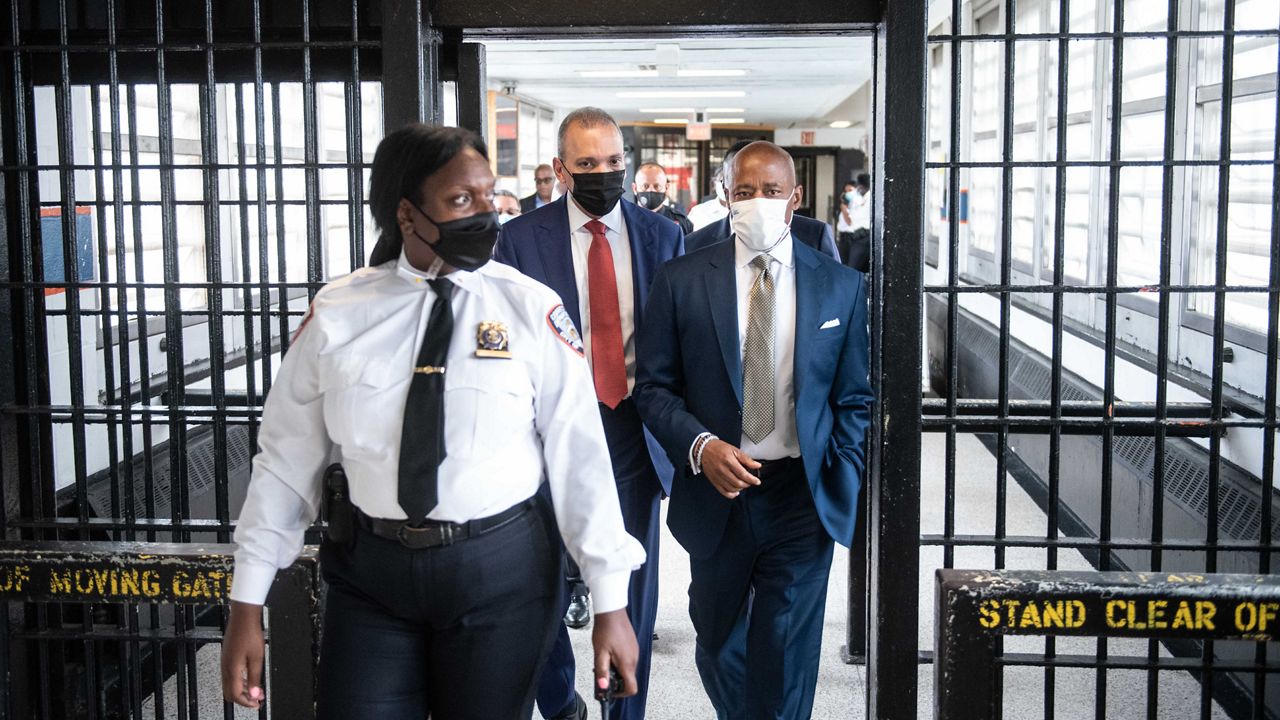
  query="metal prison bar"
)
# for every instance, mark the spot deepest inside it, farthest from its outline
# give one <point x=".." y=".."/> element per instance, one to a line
<point x="1011" y="390"/>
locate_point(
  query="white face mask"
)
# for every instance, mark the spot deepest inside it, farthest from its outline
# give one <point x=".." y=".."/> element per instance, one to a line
<point x="760" y="223"/>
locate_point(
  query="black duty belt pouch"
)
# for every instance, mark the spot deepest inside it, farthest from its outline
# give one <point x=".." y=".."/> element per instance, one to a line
<point x="341" y="526"/>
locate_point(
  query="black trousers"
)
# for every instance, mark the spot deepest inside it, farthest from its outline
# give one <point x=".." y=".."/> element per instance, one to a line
<point x="459" y="631"/>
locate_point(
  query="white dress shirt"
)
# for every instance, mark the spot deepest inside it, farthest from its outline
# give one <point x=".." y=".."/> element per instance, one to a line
<point x="510" y="422"/>
<point x="783" y="441"/>
<point x="620" y="246"/>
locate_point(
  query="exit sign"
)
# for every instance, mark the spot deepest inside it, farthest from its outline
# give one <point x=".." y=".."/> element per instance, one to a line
<point x="807" y="137"/>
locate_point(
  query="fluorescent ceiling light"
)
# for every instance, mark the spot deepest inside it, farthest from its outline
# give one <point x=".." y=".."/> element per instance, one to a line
<point x="711" y="73"/>
<point x="678" y="110"/>
<point x="682" y="94"/>
<point x="713" y="121"/>
<point x="841" y="124"/>
<point x="506" y="109"/>
<point x="618" y="73"/>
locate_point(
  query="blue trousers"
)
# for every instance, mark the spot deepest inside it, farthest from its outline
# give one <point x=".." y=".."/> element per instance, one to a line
<point x="640" y="496"/>
<point x="758" y="601"/>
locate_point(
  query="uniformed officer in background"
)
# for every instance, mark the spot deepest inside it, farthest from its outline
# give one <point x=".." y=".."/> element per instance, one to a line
<point x="447" y="383"/>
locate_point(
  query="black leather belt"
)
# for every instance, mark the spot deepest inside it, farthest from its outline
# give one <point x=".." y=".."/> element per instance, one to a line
<point x="435" y="533"/>
<point x="773" y="468"/>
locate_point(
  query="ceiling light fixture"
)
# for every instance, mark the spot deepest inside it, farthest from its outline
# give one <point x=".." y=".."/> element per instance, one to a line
<point x="728" y="121"/>
<point x="711" y="73"/>
<point x="618" y="73"/>
<point x="671" y="121"/>
<point x="663" y="111"/>
<point x="681" y="94"/>
<point x="841" y="124"/>
<point x="728" y="111"/>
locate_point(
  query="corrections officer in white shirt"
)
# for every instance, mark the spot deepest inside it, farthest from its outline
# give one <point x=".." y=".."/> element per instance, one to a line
<point x="445" y="384"/>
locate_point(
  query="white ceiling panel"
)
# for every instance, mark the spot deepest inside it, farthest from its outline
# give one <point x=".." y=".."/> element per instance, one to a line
<point x="787" y="81"/>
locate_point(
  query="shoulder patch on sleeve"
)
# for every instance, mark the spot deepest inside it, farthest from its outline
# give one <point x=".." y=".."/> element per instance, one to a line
<point x="559" y="321"/>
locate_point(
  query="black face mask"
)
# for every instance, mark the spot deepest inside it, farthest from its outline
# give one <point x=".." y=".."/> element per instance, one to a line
<point x="650" y="199"/>
<point x="597" y="193"/>
<point x="466" y="243"/>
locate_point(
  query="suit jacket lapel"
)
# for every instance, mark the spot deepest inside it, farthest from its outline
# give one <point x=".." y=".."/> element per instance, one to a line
<point x="555" y="245"/>
<point x="642" y="253"/>
<point x="811" y="287"/>
<point x="722" y="294"/>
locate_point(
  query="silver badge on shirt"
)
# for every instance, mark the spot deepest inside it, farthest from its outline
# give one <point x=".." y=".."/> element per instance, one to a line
<point x="492" y="340"/>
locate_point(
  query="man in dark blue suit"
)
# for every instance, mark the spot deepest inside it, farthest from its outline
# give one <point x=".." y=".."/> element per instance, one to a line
<point x="814" y="233"/>
<point x="753" y="376"/>
<point x="601" y="254"/>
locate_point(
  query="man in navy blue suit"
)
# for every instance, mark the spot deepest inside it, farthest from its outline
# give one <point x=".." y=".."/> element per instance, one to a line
<point x="814" y="233"/>
<point x="753" y="376"/>
<point x="600" y="253"/>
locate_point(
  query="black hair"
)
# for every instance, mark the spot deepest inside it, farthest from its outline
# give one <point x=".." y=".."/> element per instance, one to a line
<point x="864" y="180"/>
<point x="403" y="160"/>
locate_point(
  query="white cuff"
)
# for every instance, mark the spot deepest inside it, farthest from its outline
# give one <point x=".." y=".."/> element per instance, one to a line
<point x="695" y="463"/>
<point x="609" y="592"/>
<point x="252" y="582"/>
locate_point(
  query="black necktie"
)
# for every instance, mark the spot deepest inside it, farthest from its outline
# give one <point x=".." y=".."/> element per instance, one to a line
<point x="422" y="439"/>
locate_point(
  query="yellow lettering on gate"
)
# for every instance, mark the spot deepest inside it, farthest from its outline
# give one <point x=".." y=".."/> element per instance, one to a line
<point x="150" y="583"/>
<point x="129" y="583"/>
<point x="60" y="582"/>
<point x="1205" y="610"/>
<point x="180" y="586"/>
<point x="1053" y="614"/>
<point x="1012" y="605"/>
<point x="200" y="587"/>
<point x="1030" y="616"/>
<point x="84" y="581"/>
<point x="1075" y="614"/>
<point x="1182" y="616"/>
<point x="1266" y="614"/>
<point x="1155" y="614"/>
<point x="1241" y="624"/>
<point x="1112" y="607"/>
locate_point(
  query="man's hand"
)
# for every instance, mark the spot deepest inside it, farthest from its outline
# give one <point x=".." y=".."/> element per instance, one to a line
<point x="242" y="654"/>
<point x="615" y="644"/>
<point x="728" y="468"/>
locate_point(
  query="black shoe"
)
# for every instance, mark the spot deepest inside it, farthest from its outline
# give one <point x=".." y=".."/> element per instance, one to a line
<point x="577" y="710"/>
<point x="578" y="615"/>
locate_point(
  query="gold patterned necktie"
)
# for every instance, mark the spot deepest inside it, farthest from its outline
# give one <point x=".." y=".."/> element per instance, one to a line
<point x="757" y="356"/>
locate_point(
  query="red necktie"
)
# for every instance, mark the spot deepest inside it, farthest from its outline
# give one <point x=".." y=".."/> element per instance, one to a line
<point x="608" y="365"/>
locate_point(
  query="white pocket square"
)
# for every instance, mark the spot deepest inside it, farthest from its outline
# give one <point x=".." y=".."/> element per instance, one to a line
<point x="833" y="322"/>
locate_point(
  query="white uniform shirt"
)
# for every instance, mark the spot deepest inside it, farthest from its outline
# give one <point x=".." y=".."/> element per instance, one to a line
<point x="510" y="423"/>
<point x="783" y="441"/>
<point x="705" y="213"/>
<point x="620" y="246"/>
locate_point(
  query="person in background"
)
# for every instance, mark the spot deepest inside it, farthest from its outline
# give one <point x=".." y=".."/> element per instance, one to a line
<point x="544" y="184"/>
<point x="753" y="374"/>
<point x="441" y="558"/>
<point x="860" y="219"/>
<point x="600" y="253"/>
<point x="712" y="208"/>
<point x="814" y="233"/>
<point x="507" y="205"/>
<point x="650" y="188"/>
<point x="844" y="221"/>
